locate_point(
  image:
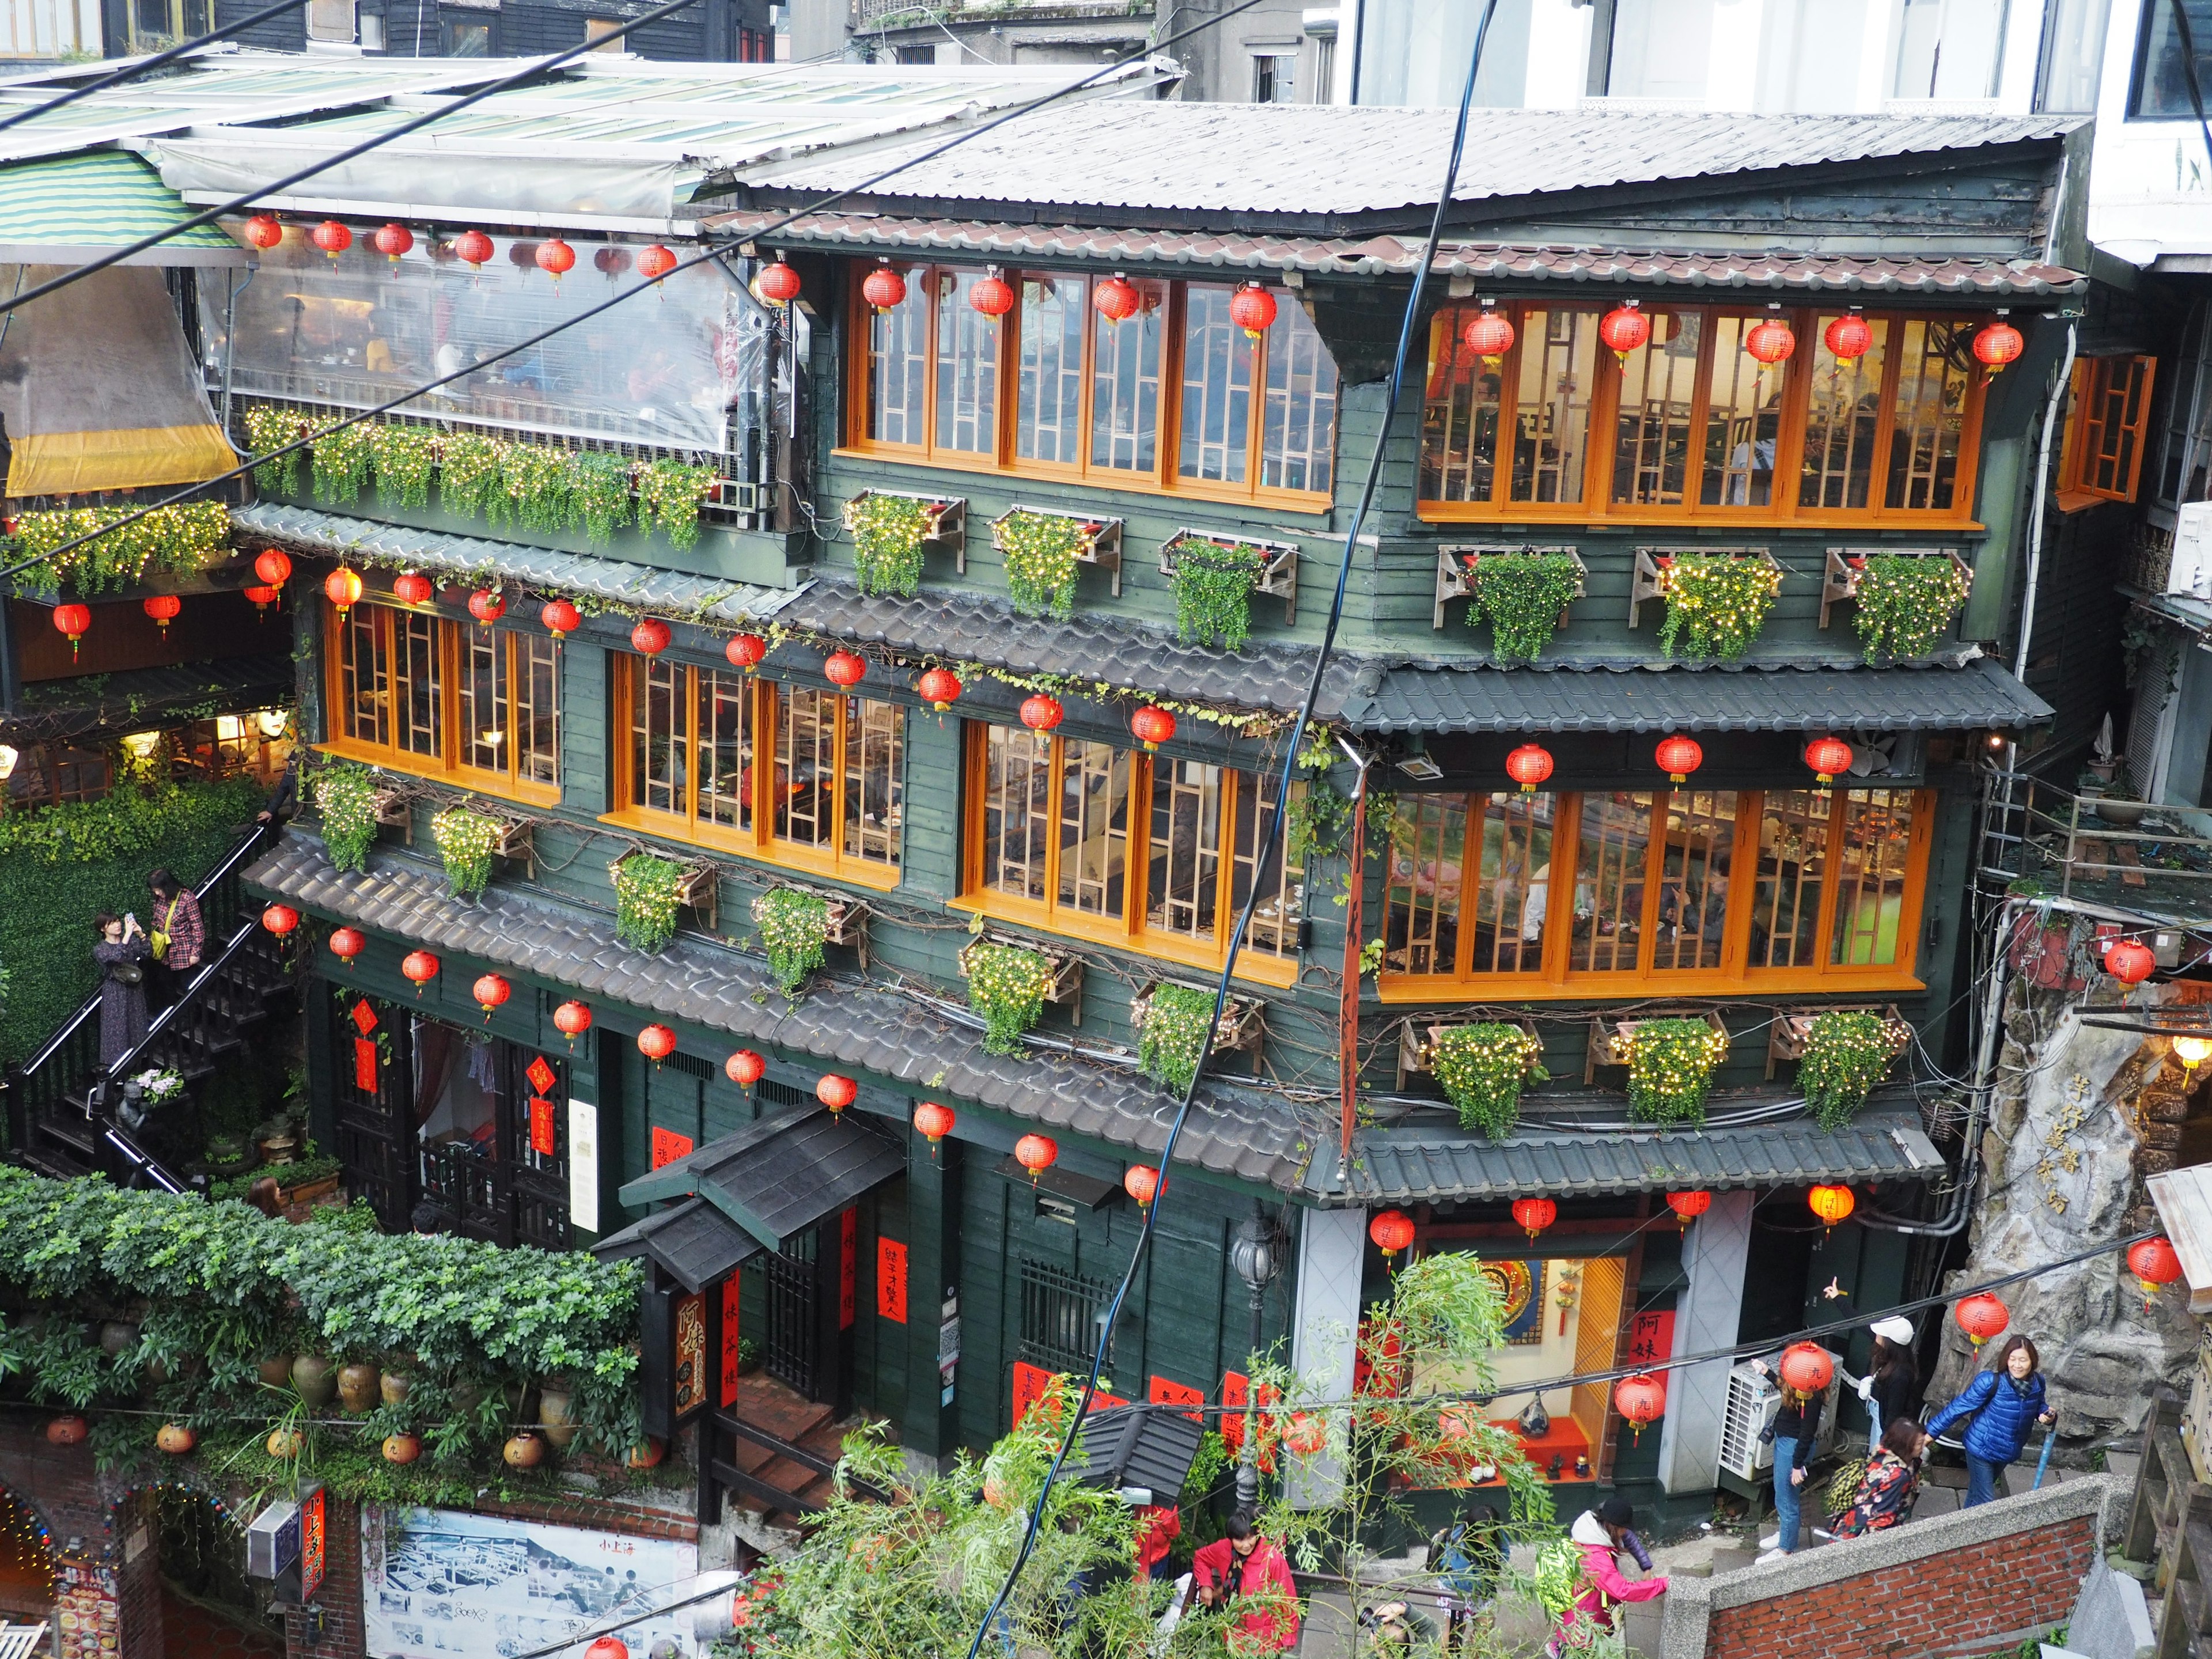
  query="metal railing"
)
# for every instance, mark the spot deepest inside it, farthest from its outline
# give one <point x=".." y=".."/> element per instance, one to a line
<point x="2124" y="854"/>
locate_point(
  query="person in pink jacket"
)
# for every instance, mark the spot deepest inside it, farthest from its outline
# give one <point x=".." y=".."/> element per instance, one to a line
<point x="1597" y="1534"/>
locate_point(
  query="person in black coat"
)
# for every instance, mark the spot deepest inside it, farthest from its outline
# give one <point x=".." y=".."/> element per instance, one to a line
<point x="1891" y="1388"/>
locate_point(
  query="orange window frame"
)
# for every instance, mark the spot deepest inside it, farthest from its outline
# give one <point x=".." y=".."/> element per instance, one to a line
<point x="1596" y="504"/>
<point x="450" y="645"/>
<point x="1165" y="477"/>
<point x="758" y="840"/>
<point x="2110" y="422"/>
<point x="1129" y="932"/>
<point x="1555" y="980"/>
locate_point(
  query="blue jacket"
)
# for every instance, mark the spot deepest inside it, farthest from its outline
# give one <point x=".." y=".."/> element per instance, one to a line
<point x="2002" y="1412"/>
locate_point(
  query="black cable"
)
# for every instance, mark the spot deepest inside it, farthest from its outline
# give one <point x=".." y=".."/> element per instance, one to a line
<point x="1270" y="846"/>
<point x="133" y="71"/>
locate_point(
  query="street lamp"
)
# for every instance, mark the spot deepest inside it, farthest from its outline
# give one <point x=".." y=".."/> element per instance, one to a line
<point x="1256" y="1254"/>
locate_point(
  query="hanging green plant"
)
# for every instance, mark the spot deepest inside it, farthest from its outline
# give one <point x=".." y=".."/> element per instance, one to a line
<point x="406" y="458"/>
<point x="1482" y="1068"/>
<point x="540" y="490"/>
<point x="794" y="927"/>
<point x="599" y="489"/>
<point x="1319" y="816"/>
<point x="268" y="426"/>
<point x="1006" y="985"/>
<point x="344" y="458"/>
<point x="465" y="840"/>
<point x="1717" y="604"/>
<point x="888" y="532"/>
<point x="179" y="541"/>
<point x="1040" y="549"/>
<point x="345" y="796"/>
<point x="1212" y="586"/>
<point x="1171" y="1035"/>
<point x="646" y="893"/>
<point x="1670" y="1069"/>
<point x="670" y="494"/>
<point x="1846" y="1055"/>
<point x="1906" y="604"/>
<point x="472" y="479"/>
<point x="1522" y="596"/>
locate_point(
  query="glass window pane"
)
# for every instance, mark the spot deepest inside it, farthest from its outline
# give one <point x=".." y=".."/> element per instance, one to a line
<point x="537" y="708"/>
<point x="1841" y="422"/>
<point x="2073" y="56"/>
<point x="898" y="364"/>
<point x="1051" y="396"/>
<point x="1186" y="848"/>
<point x="1094" y="828"/>
<point x="806" y="766"/>
<point x="1694" y="878"/>
<point x="873" y="787"/>
<point x="1877" y="834"/>
<point x="1124" y="384"/>
<point x="1459" y="421"/>
<point x="1793" y="859"/>
<point x="2112" y="415"/>
<point x="1609" y="864"/>
<point x="483" y="700"/>
<point x="1016" y="810"/>
<point x="1515" y="889"/>
<point x="1743" y="419"/>
<point x="1661" y="49"/>
<point x="1551" y="412"/>
<point x="1809" y="57"/>
<point x="2161" y="88"/>
<point x="1651" y="430"/>
<point x="1217" y="388"/>
<point x="1930" y="415"/>
<point x="1951" y="49"/>
<point x="1297" y="440"/>
<point x="365" y="677"/>
<point x="415" y="684"/>
<point x="1274" y="929"/>
<point x="658" y="769"/>
<point x="967" y="368"/>
<point x="725" y="748"/>
<point x="1428" y="841"/>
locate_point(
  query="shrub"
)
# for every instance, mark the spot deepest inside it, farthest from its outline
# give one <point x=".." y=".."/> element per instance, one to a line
<point x="1482" y="1068"/>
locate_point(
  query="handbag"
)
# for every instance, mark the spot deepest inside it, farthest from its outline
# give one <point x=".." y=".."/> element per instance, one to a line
<point x="127" y="973"/>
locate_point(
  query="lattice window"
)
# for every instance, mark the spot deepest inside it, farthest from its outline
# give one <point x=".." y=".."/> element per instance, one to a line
<point x="1050" y="417"/>
<point x="1298" y="437"/>
<point x="1185" y="848"/>
<point x="967" y="368"/>
<point x="1935" y="376"/>
<point x="1843" y="421"/>
<point x="1124" y="384"/>
<point x="1658" y="396"/>
<point x="1610" y="857"/>
<point x="1217" y="388"/>
<point x="1551" y="418"/>
<point x="898" y="366"/>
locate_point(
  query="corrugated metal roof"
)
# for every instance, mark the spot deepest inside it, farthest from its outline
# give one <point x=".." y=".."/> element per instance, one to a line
<point x="74" y="208"/>
<point x="1310" y="159"/>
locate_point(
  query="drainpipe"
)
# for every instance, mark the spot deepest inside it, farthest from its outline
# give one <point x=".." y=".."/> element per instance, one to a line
<point x="2035" y="516"/>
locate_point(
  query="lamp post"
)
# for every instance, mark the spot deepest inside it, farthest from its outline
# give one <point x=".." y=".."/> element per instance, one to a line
<point x="1256" y="1254"/>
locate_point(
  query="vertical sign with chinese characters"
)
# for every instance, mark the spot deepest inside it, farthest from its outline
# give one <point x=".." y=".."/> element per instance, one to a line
<point x="890" y="1280"/>
<point x="668" y="1146"/>
<point x="848" y="1293"/>
<point x="314" y="1542"/>
<point x="583" y="1165"/>
<point x="542" y="1079"/>
<point x="730" y="1341"/>
<point x="1029" y="1383"/>
<point x="691" y="1355"/>
<point x="1651" y="1342"/>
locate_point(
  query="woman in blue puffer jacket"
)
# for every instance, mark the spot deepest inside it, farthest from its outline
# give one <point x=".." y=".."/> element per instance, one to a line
<point x="1999" y="1407"/>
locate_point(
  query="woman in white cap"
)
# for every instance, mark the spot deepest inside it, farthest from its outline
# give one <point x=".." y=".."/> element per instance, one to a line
<point x="1891" y="1388"/>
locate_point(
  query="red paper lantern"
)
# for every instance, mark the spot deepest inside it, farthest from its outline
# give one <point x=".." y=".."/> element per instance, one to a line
<point x="1041" y="713"/>
<point x="650" y="637"/>
<point x="472" y="248"/>
<point x="1534" y="1214"/>
<point x="1848" y="338"/>
<point x="991" y="296"/>
<point x="1142" y="1182"/>
<point x="745" y="1068"/>
<point x="262" y="231"/>
<point x="1391" y="1231"/>
<point x="1037" y="1154"/>
<point x="556" y="258"/>
<point x="2129" y="961"/>
<point x="1306" y="1433"/>
<point x="572" y="1020"/>
<point x="843" y="667"/>
<point x="777" y="283"/>
<point x="490" y="991"/>
<point x="746" y="650"/>
<point x="1624" y="329"/>
<point x="332" y="237"/>
<point x="280" y="919"/>
<point x="343" y="588"/>
<point x="347" y="942"/>
<point x="1769" y="340"/>
<point x="1489" y="335"/>
<point x="932" y="1121"/>
<point x="412" y="588"/>
<point x="884" y="287"/>
<point x="656" y="1044"/>
<point x="1981" y="1316"/>
<point x="263" y="598"/>
<point x="655" y="261"/>
<point x="1153" y="727"/>
<point x="1829" y="757"/>
<point x="73" y="620"/>
<point x="486" y="605"/>
<point x="1830" y="1204"/>
<point x="1252" y="308"/>
<point x="940" y="688"/>
<point x="1678" y="756"/>
<point x="1998" y="344"/>
<point x="560" y="619"/>
<point x="1115" y="299"/>
<point x="1528" y="766"/>
<point x="607" y="1647"/>
<point x="2154" y="1262"/>
<point x="1639" y="1400"/>
<point x="393" y="240"/>
<point x="273" y="567"/>
<point x="836" y="1093"/>
<point x="420" y="966"/>
<point x="1688" y="1206"/>
<point x="1806" y="1368"/>
<point x="162" y="608"/>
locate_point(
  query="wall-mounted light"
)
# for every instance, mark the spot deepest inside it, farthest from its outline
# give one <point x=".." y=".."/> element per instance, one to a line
<point x="141" y="745"/>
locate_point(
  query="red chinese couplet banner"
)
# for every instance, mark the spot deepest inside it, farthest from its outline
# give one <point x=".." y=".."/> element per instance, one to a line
<point x="541" y="1128"/>
<point x="1650" y="1341"/>
<point x="364" y="1066"/>
<point x="730" y="1341"/>
<point x="1030" y="1383"/>
<point x="668" y="1146"/>
<point x="1164" y="1392"/>
<point x="848" y="1296"/>
<point x="890" y="1280"/>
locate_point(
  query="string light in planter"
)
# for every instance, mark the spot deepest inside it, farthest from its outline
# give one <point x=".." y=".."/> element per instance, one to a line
<point x="1142" y="1182"/>
<point x="332" y="237"/>
<point x="843" y="667"/>
<point x="1998" y="344"/>
<point x="343" y="588"/>
<point x="263" y="231"/>
<point x="836" y="1093"/>
<point x="273" y="567"/>
<point x="1849" y="337"/>
<point x="420" y="966"/>
<point x="745" y="1068"/>
<point x="393" y="240"/>
<point x="1115" y="299"/>
<point x="73" y="620"/>
<point x="940" y="689"/>
<point x="656" y="1044"/>
<point x="1678" y="756"/>
<point x="884" y="289"/>
<point x="412" y="587"/>
<point x="1391" y="1231"/>
<point x="1041" y="713"/>
<point x="1252" y="308"/>
<point x="1829" y="757"/>
<point x="650" y="637"/>
<point x="991" y="296"/>
<point x="572" y="1020"/>
<point x="1528" y="766"/>
<point x="1830" y="1204"/>
<point x="1153" y="726"/>
<point x="560" y="619"/>
<point x="491" y="992"/>
<point x="1981" y="1316"/>
<point x="1037" y="1154"/>
<point x="347" y="942"/>
<point x="932" y="1123"/>
<point x="745" y="651"/>
<point x="280" y="919"/>
<point x="486" y="605"/>
<point x="1489" y="334"/>
<point x="162" y="608"/>
<point x="777" y="283"/>
<point x="1688" y="1206"/>
<point x="1534" y="1214"/>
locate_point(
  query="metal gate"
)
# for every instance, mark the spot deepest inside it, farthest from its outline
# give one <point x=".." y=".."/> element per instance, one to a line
<point x="793" y="1305"/>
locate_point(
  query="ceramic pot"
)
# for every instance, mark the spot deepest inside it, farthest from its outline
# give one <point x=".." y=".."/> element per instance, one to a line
<point x="402" y="1448"/>
<point x="525" y="1451"/>
<point x="555" y="1416"/>
<point x="358" y="1390"/>
<point x="175" y="1439"/>
<point x="285" y="1443"/>
<point x="316" y="1378"/>
<point x="647" y="1454"/>
<point x="393" y="1386"/>
<point x="277" y="1370"/>
<point x="69" y="1430"/>
<point x="116" y="1336"/>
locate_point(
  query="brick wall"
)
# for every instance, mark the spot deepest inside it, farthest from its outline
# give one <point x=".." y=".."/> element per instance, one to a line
<point x="336" y="1605"/>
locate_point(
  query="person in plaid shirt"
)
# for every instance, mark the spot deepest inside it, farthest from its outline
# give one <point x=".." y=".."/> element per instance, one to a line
<point x="180" y="935"/>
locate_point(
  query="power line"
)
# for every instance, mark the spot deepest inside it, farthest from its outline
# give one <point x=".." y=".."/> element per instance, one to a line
<point x="132" y="70"/>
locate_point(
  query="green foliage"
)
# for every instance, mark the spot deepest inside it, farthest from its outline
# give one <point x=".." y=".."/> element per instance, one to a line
<point x="888" y="532"/>
<point x="300" y="1172"/>
<point x="646" y="889"/>
<point x="1482" y="1068"/>
<point x="470" y="480"/>
<point x="344" y="458"/>
<point x="345" y="797"/>
<point x="540" y="488"/>
<point x="174" y="541"/>
<point x="268" y="427"/>
<point x="1319" y="818"/>
<point x="669" y="492"/>
<point x="1670" y="1069"/>
<point x="1040" y="549"/>
<point x="1172" y="1038"/>
<point x="465" y="840"/>
<point x="1906" y="604"/>
<point x="1846" y="1055"/>
<point x="1717" y="604"/>
<point x="1213" y="588"/>
<point x="1006" y="985"/>
<point x="599" y="493"/>
<point x="405" y="457"/>
<point x="1522" y="595"/>
<point x="795" y="927"/>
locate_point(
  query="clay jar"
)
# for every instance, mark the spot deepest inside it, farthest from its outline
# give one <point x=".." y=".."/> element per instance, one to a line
<point x="358" y="1390"/>
<point x="316" y="1378"/>
<point x="525" y="1451"/>
<point x="68" y="1431"/>
<point x="277" y="1370"/>
<point x="393" y="1386"/>
<point x="401" y="1448"/>
<point x="556" y="1416"/>
<point x="175" y="1439"/>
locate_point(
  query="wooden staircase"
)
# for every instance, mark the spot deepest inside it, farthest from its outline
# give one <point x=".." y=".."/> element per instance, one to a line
<point x="775" y="1451"/>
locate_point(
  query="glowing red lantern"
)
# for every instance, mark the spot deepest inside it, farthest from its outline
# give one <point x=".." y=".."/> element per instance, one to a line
<point x="1830" y="1204"/>
<point x="560" y="619"/>
<point x="1639" y="1400"/>
<point x="650" y="637"/>
<point x="608" y="1647"/>
<point x="745" y="1068"/>
<point x="162" y="608"/>
<point x="932" y="1121"/>
<point x="1769" y="340"/>
<point x="347" y="942"/>
<point x="940" y="688"/>
<point x="555" y="257"/>
<point x="1306" y="1433"/>
<point x="1624" y="329"/>
<point x="746" y="650"/>
<point x="1806" y="1368"/>
<point x="1489" y="335"/>
<point x="1115" y="299"/>
<point x="1848" y="338"/>
<point x="1678" y="756"/>
<point x="1534" y="1214"/>
<point x="2129" y="961"/>
<point x="393" y="240"/>
<point x="1688" y="1206"/>
<point x="656" y="1044"/>
<point x="1528" y="766"/>
<point x="262" y="231"/>
<point x="491" y="991"/>
<point x="991" y="296"/>
<point x="1829" y="757"/>
<point x="73" y="620"/>
<point x="572" y="1020"/>
<point x="486" y="605"/>
<point x="472" y="248"/>
<point x="655" y="261"/>
<point x="280" y="919"/>
<point x="1037" y="1154"/>
<point x="843" y="667"/>
<point x="1391" y="1231"/>
<point x="777" y="283"/>
<point x="884" y="287"/>
<point x="1252" y="308"/>
<point x="2154" y="1261"/>
<point x="419" y="967"/>
<point x="273" y="567"/>
<point x="836" y="1093"/>
<point x="412" y="588"/>
<point x="332" y="237"/>
<point x="1998" y="344"/>
<point x="1981" y="1316"/>
<point x="263" y="598"/>
<point x="1041" y="713"/>
<point x="343" y="588"/>
<point x="1142" y="1182"/>
<point x="1153" y="727"/>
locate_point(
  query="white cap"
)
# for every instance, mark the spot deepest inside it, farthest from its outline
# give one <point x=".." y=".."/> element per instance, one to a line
<point x="1896" y="1328"/>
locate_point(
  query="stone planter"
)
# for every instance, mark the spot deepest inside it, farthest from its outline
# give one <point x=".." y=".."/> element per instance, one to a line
<point x="316" y="1378"/>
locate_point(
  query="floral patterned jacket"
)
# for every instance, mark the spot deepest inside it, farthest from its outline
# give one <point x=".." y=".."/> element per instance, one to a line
<point x="1884" y="1497"/>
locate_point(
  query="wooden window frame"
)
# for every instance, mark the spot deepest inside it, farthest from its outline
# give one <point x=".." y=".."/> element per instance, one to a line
<point x="759" y="841"/>
<point x="1597" y="505"/>
<point x="1129" y="931"/>
<point x="1163" y="479"/>
<point x="2087" y="429"/>
<point x="1552" y="981"/>
<point x="451" y="645"/>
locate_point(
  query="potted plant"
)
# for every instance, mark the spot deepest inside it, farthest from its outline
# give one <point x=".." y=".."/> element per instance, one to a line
<point x="794" y="928"/>
<point x="1670" y="1069"/>
<point x="1482" y="1068"/>
<point x="1846" y="1054"/>
<point x="1006" y="985"/>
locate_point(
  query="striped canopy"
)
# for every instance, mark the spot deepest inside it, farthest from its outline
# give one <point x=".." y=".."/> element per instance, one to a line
<point x="75" y="207"/>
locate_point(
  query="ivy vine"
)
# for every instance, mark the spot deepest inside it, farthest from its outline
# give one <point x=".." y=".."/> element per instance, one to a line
<point x="1906" y="603"/>
<point x="1521" y="595"/>
<point x="1212" y="586"/>
<point x="888" y="532"/>
<point x="795" y="929"/>
<point x="1716" y="603"/>
<point x="270" y="427"/>
<point x="1006" y="985"/>
<point x="1171" y="1037"/>
<point x="1482" y="1068"/>
<point x="344" y="458"/>
<point x="670" y="492"/>
<point x="1670" y="1069"/>
<point x="345" y="796"/>
<point x="405" y="457"/>
<point x="1846" y="1055"/>
<point x="1040" y="549"/>
<point x="646" y="899"/>
<point x="466" y="840"/>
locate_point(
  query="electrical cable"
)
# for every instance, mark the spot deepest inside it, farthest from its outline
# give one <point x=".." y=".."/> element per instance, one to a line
<point x="132" y="70"/>
<point x="1270" y="847"/>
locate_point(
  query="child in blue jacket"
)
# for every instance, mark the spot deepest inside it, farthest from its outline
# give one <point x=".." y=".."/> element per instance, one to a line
<point x="1999" y="1407"/>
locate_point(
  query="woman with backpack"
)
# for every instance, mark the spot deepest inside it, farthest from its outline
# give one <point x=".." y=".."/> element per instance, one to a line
<point x="1999" y="1407"/>
<point x="1465" y="1557"/>
<point x="1892" y="1480"/>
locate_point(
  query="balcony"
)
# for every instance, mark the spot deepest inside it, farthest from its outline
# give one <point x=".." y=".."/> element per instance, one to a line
<point x="2136" y="857"/>
<point x="919" y="13"/>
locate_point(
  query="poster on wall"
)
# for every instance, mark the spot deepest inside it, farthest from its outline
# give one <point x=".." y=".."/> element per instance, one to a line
<point x="441" y="1584"/>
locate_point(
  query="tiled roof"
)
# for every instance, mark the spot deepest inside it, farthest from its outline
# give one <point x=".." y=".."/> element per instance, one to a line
<point x="139" y="697"/>
<point x="1321" y="160"/>
<point x="1385" y="255"/>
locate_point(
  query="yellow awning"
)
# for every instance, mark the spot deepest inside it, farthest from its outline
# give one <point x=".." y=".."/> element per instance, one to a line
<point x="73" y="462"/>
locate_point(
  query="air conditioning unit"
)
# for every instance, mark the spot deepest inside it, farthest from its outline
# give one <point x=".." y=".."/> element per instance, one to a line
<point x="1754" y="1402"/>
<point x="2189" y="570"/>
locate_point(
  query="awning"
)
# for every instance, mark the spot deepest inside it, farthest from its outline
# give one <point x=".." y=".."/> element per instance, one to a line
<point x="1124" y="1446"/>
<point x="695" y="1242"/>
<point x="76" y="207"/>
<point x="2184" y="1197"/>
<point x="779" y="1176"/>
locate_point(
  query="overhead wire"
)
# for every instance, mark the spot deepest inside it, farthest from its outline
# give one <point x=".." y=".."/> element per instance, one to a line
<point x="138" y="66"/>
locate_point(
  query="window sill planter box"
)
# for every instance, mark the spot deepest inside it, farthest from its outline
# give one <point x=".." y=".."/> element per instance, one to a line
<point x="1785" y="1038"/>
<point x="514" y="843"/>
<point x="1648" y="584"/>
<point x="1100" y="543"/>
<point x="394" y="811"/>
<point x="1064" y="970"/>
<point x="1277" y="578"/>
<point x="1417" y="1046"/>
<point x="1847" y="564"/>
<point x="1243" y="1025"/>
<point x="1608" y="1044"/>
<point x="1455" y="566"/>
<point x="700" y="887"/>
<point x="947" y="515"/>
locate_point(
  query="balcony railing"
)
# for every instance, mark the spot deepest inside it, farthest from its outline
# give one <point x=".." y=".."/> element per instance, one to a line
<point x="2149" y="858"/>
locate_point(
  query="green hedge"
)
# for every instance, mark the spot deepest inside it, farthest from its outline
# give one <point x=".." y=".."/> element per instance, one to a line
<point x="62" y="866"/>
